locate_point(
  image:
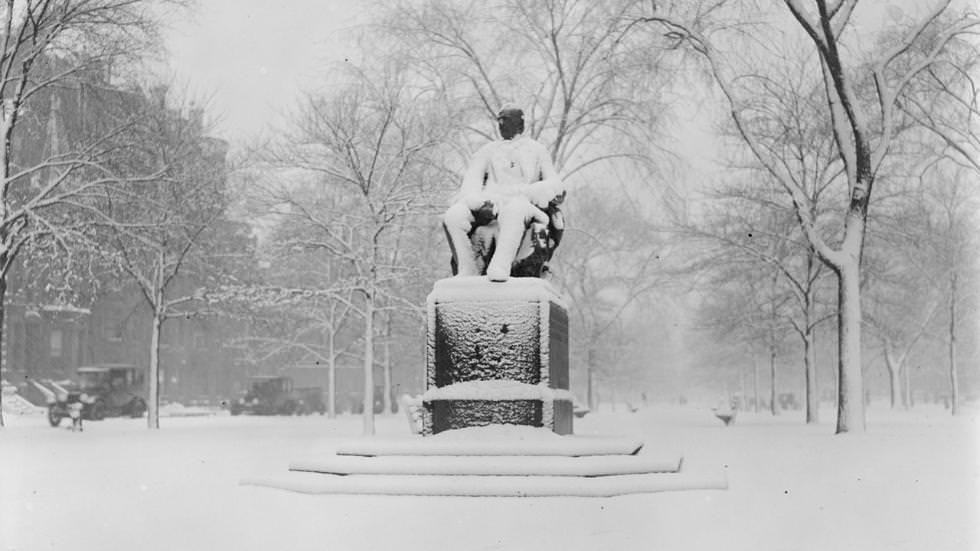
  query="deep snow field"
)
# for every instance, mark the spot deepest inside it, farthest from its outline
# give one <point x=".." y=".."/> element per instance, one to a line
<point x="912" y="482"/>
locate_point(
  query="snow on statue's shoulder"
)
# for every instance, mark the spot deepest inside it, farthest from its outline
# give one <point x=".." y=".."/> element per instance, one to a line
<point x="479" y="288"/>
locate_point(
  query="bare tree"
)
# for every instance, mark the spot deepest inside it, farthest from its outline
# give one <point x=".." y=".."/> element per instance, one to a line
<point x="954" y="120"/>
<point x="303" y="300"/>
<point x="902" y="299"/>
<point x="587" y="87"/>
<point x="863" y="131"/>
<point x="747" y="300"/>
<point x="294" y="317"/>
<point x="953" y="221"/>
<point x="746" y="220"/>
<point x="367" y="147"/>
<point x="746" y="234"/>
<point x="155" y="229"/>
<point x="608" y="263"/>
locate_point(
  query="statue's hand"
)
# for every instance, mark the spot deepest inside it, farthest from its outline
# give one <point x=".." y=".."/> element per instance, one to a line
<point x="474" y="201"/>
<point x="540" y="195"/>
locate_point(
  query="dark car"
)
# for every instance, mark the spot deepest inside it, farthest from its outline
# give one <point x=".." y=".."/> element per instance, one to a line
<point x="110" y="390"/>
<point x="276" y="395"/>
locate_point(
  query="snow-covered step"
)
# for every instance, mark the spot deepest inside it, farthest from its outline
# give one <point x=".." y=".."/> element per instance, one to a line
<point x="590" y="466"/>
<point x="495" y="440"/>
<point x="492" y="486"/>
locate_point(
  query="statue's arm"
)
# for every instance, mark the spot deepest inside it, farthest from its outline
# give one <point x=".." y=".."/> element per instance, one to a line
<point x="471" y="189"/>
<point x="548" y="171"/>
<point x="550" y="186"/>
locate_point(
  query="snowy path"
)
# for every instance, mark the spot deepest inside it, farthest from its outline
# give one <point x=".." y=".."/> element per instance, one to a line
<point x="911" y="483"/>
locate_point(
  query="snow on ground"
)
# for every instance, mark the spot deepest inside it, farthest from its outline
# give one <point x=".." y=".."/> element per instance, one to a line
<point x="911" y="483"/>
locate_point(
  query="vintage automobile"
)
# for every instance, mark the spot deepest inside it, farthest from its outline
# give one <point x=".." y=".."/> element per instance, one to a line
<point x="276" y="395"/>
<point x="110" y="390"/>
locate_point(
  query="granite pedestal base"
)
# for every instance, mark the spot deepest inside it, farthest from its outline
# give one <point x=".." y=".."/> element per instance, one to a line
<point x="497" y="353"/>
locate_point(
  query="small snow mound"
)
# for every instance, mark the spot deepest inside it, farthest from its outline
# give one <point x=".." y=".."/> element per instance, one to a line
<point x="15" y="404"/>
<point x="176" y="409"/>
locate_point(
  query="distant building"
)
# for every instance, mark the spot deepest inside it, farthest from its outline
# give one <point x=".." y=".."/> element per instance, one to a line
<point x="49" y="334"/>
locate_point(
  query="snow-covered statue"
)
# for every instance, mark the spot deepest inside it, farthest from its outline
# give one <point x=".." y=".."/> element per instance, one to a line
<point x="506" y="209"/>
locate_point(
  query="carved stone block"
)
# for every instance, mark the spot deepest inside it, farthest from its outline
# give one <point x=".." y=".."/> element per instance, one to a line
<point x="497" y="353"/>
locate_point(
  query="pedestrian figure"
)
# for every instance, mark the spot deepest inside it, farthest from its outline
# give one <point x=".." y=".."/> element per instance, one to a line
<point x="75" y="413"/>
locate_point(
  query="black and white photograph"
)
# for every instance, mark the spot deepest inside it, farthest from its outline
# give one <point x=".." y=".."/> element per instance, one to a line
<point x="572" y="275"/>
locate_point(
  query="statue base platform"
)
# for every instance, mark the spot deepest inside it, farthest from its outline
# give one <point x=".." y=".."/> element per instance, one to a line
<point x="497" y="415"/>
<point x="494" y="461"/>
<point x="497" y="353"/>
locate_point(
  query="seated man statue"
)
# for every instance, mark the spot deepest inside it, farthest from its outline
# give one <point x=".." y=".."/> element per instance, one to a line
<point x="511" y="184"/>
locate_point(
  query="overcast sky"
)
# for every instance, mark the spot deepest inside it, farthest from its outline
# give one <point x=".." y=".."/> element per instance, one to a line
<point x="252" y="57"/>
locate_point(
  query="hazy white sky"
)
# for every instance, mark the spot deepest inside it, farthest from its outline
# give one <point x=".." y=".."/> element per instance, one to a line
<point x="252" y="57"/>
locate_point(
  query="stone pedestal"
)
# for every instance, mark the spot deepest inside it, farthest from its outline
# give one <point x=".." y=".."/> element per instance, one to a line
<point x="497" y="353"/>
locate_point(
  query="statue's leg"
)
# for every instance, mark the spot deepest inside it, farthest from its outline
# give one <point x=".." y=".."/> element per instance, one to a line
<point x="458" y="222"/>
<point x="512" y="217"/>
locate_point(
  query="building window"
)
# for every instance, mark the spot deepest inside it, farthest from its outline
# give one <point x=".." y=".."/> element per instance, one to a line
<point x="112" y="330"/>
<point x="57" y="343"/>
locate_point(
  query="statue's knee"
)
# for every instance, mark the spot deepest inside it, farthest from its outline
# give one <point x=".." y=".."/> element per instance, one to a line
<point x="458" y="217"/>
<point x="513" y="211"/>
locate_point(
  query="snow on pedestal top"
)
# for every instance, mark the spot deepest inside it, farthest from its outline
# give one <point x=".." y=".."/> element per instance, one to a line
<point x="496" y="390"/>
<point x="479" y="288"/>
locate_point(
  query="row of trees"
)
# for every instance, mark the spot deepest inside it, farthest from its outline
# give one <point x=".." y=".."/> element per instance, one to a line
<point x="827" y="115"/>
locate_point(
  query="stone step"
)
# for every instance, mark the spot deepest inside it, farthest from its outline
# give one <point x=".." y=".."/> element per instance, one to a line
<point x="589" y="466"/>
<point x="494" y="440"/>
<point x="492" y="486"/>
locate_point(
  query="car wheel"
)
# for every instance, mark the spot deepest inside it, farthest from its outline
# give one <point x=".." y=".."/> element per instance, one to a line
<point x="97" y="411"/>
<point x="54" y="418"/>
<point x="137" y="408"/>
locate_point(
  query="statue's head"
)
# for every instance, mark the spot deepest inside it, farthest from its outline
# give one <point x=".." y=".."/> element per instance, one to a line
<point x="510" y="120"/>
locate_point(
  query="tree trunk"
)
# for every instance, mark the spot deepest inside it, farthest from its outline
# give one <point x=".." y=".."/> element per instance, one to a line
<point x="755" y="384"/>
<point x="369" y="364"/>
<point x="153" y="394"/>
<point x="907" y="386"/>
<point x="850" y="397"/>
<point x="810" y="376"/>
<point x="331" y="378"/>
<point x="3" y="336"/>
<point x="773" y="405"/>
<point x="742" y="390"/>
<point x="386" y="399"/>
<point x="590" y="380"/>
<point x="894" y="376"/>
<point x="954" y="385"/>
